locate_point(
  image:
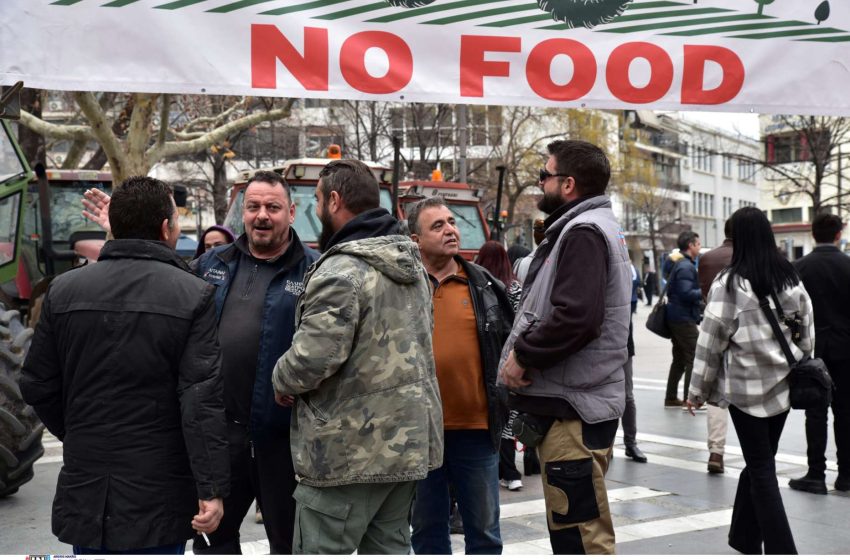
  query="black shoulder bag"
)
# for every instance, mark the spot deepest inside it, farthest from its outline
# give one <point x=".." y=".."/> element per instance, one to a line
<point x="657" y="320"/>
<point x="809" y="381"/>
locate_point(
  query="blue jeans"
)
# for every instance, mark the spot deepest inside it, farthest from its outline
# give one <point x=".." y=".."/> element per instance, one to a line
<point x="178" y="549"/>
<point x="471" y="466"/>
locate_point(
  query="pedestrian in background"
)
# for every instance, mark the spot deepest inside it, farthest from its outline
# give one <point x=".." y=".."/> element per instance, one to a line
<point x="684" y="305"/>
<point x="213" y="236"/>
<point x="538" y="231"/>
<point x="563" y="362"/>
<point x="472" y="317"/>
<point x="630" y="413"/>
<point x="493" y="257"/>
<point x="710" y="265"/>
<point x="826" y="275"/>
<point x="368" y="420"/>
<point x="650" y="283"/>
<point x="754" y="381"/>
<point x="125" y="370"/>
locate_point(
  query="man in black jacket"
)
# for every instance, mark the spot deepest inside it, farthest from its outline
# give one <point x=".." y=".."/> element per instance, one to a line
<point x="471" y="311"/>
<point x="684" y="305"/>
<point x="826" y="275"/>
<point x="124" y="368"/>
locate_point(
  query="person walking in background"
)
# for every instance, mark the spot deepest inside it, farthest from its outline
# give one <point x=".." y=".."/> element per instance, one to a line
<point x="684" y="302"/>
<point x="650" y="283"/>
<point x="754" y="381"/>
<point x="826" y="275"/>
<point x="213" y="236"/>
<point x="493" y="257"/>
<point x="516" y="252"/>
<point x="710" y="265"/>
<point x="125" y="370"/>
<point x="368" y="420"/>
<point x="538" y="230"/>
<point x="630" y="413"/>
<point x="471" y="312"/>
<point x="563" y="362"/>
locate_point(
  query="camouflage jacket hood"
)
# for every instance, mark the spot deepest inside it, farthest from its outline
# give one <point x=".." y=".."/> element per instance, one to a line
<point x="394" y="256"/>
<point x="362" y="367"/>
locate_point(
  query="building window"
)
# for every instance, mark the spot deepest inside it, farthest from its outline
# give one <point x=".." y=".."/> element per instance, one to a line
<point x="746" y="171"/>
<point x="702" y="159"/>
<point x="727" y="207"/>
<point x="727" y="165"/>
<point x="786" y="215"/>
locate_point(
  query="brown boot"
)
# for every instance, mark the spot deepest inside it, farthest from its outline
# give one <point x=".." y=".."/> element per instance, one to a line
<point x="715" y="463"/>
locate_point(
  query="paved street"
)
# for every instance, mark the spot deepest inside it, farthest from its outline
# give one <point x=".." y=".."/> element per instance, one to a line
<point x="668" y="506"/>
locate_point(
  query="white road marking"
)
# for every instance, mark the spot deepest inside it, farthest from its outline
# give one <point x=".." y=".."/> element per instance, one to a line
<point x="615" y="495"/>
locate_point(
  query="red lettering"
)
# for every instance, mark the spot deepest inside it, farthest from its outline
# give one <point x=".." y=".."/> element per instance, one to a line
<point x="538" y="70"/>
<point x="660" y="78"/>
<point x="268" y="45"/>
<point x="473" y="67"/>
<point x="693" y="75"/>
<point x="352" y="62"/>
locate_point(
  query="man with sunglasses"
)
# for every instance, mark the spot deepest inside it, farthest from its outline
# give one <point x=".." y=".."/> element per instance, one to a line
<point x="563" y="361"/>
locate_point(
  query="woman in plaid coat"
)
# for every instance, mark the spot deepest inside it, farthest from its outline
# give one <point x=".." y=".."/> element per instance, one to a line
<point x="739" y="364"/>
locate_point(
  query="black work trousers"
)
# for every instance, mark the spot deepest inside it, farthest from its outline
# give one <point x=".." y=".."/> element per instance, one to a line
<point x="758" y="516"/>
<point x="684" y="337"/>
<point x="507" y="460"/>
<point x="261" y="470"/>
<point x="816" y="421"/>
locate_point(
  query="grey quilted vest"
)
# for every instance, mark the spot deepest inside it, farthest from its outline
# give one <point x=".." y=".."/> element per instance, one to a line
<point x="592" y="380"/>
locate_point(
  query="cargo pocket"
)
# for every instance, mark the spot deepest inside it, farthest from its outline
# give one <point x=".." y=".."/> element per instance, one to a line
<point x="320" y="522"/>
<point x="575" y="480"/>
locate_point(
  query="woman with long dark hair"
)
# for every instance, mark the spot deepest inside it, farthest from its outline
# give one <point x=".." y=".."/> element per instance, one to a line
<point x="494" y="258"/>
<point x="753" y="383"/>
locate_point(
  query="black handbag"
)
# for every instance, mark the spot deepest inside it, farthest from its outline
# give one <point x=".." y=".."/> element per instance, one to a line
<point x="657" y="320"/>
<point x="809" y="381"/>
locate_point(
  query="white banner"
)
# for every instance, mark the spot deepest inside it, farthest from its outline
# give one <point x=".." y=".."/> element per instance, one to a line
<point x="790" y="56"/>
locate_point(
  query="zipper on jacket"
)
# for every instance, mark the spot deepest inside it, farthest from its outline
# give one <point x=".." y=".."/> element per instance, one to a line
<point x="251" y="443"/>
<point x="250" y="283"/>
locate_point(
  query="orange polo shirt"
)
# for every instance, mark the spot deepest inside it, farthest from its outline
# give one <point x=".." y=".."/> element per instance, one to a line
<point x="458" y="356"/>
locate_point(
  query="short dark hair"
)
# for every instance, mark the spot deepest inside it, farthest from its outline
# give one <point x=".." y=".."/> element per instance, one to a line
<point x="685" y="239"/>
<point x="584" y="162"/>
<point x="138" y="206"/>
<point x="727" y="228"/>
<point x="355" y="183"/>
<point x="413" y="213"/>
<point x="825" y="227"/>
<point x="272" y="178"/>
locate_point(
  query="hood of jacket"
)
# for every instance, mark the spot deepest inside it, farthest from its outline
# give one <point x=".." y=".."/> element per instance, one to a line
<point x="373" y="238"/>
<point x="394" y="256"/>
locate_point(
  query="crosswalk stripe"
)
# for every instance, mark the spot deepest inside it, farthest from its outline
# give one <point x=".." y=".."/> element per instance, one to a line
<point x="615" y="495"/>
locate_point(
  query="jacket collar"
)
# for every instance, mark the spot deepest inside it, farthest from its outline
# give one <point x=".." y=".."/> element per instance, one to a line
<point x="293" y="254"/>
<point x="826" y="248"/>
<point x="476" y="274"/>
<point x="371" y="223"/>
<point x="570" y="210"/>
<point x="142" y="249"/>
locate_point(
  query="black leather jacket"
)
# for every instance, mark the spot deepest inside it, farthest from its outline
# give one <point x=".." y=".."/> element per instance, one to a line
<point x="495" y="316"/>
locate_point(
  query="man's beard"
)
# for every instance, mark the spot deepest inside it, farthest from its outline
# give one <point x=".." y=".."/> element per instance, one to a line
<point x="550" y="202"/>
<point x="327" y="229"/>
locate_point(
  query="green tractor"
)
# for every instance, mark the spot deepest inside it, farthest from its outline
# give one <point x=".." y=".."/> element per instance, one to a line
<point x="20" y="428"/>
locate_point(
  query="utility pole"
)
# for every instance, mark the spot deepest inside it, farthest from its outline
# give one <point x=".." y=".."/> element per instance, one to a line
<point x="462" y="141"/>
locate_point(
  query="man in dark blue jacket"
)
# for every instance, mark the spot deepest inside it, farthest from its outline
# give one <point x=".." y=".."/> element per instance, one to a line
<point x="258" y="279"/>
<point x="684" y="303"/>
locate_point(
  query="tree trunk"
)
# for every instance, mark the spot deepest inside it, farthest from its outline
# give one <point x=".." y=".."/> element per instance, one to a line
<point x="219" y="188"/>
<point x="31" y="142"/>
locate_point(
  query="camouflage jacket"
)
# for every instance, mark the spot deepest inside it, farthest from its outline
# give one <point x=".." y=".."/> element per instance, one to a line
<point x="368" y="406"/>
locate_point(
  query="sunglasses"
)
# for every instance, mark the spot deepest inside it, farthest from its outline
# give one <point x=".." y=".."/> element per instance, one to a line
<point x="544" y="175"/>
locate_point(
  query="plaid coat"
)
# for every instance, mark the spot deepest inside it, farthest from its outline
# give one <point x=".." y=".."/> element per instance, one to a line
<point x="738" y="360"/>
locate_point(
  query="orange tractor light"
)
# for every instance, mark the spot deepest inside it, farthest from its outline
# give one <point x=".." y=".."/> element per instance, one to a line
<point x="334" y="151"/>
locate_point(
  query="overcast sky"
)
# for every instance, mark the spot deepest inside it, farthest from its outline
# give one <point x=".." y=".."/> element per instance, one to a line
<point x="743" y="123"/>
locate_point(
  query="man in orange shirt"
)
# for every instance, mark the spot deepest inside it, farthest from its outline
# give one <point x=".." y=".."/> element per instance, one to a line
<point x="471" y="311"/>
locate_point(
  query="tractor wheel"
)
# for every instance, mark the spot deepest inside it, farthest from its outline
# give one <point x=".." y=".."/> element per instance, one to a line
<point x="20" y="428"/>
<point x="584" y="13"/>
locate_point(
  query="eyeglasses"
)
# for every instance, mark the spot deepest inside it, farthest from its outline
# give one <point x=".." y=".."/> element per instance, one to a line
<point x="544" y="175"/>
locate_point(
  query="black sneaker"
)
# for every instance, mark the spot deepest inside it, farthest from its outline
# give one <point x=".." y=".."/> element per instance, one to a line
<point x="842" y="483"/>
<point x="809" y="484"/>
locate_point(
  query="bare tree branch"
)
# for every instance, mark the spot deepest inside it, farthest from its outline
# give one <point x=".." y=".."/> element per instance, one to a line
<point x="57" y="131"/>
<point x="102" y="130"/>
